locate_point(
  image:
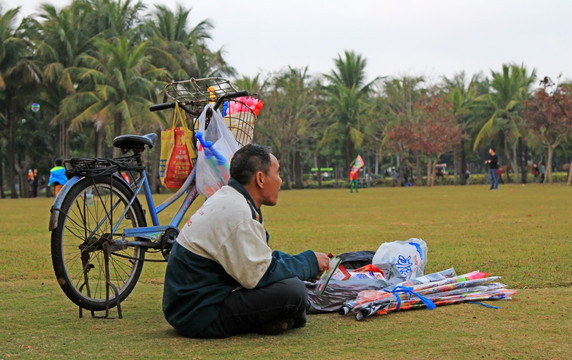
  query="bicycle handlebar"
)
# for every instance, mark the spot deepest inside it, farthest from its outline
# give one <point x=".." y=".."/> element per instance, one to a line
<point x="226" y="97"/>
<point x="219" y="102"/>
<point x="163" y="106"/>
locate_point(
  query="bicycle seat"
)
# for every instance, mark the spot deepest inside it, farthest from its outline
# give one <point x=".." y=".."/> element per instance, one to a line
<point x="129" y="142"/>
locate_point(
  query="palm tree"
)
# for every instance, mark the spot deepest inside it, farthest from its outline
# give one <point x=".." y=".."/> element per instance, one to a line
<point x="172" y="40"/>
<point x="347" y="93"/>
<point x="510" y="88"/>
<point x="287" y="120"/>
<point x="112" y="18"/>
<point x="18" y="73"/>
<point x="60" y="39"/>
<point x="122" y="84"/>
<point x="183" y="49"/>
<point x="462" y="95"/>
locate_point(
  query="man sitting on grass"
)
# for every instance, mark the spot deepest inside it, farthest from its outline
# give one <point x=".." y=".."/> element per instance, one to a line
<point x="222" y="278"/>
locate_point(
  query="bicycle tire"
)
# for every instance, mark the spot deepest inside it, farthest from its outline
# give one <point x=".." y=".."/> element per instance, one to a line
<point x="77" y="243"/>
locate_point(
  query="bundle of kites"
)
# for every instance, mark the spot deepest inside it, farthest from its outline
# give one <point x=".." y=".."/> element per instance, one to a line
<point x="383" y="293"/>
<point x="420" y="293"/>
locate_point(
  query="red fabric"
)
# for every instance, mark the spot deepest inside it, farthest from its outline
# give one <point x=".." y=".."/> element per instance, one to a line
<point x="367" y="268"/>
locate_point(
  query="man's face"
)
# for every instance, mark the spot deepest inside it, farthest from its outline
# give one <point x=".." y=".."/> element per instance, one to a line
<point x="272" y="183"/>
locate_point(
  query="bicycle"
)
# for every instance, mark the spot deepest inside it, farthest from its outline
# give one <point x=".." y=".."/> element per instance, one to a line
<point x="99" y="230"/>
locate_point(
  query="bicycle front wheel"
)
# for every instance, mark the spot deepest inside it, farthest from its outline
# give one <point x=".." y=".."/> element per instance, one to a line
<point x="90" y="219"/>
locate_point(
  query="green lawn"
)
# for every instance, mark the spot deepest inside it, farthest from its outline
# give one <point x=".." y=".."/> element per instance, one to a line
<point x="519" y="232"/>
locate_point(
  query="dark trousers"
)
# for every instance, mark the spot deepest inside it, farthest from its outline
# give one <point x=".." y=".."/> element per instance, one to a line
<point x="494" y="178"/>
<point x="244" y="310"/>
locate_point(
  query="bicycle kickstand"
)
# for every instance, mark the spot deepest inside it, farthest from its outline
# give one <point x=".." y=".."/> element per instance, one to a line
<point x="106" y="252"/>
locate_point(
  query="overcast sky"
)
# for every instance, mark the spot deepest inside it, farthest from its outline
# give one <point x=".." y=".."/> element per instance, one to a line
<point x="433" y="38"/>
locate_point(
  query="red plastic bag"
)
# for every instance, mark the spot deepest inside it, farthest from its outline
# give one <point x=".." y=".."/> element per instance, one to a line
<point x="177" y="152"/>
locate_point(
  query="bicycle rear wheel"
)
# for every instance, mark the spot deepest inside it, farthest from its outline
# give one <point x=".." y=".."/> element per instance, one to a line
<point x="88" y="222"/>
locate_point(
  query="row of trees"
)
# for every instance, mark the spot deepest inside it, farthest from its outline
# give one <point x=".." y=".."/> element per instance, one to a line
<point x="93" y="68"/>
<point x="405" y="122"/>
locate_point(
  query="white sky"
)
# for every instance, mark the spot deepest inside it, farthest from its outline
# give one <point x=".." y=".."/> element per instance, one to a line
<point x="433" y="38"/>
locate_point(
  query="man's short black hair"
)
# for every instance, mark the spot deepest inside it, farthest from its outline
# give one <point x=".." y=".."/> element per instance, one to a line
<point x="248" y="160"/>
<point x="59" y="162"/>
<point x="492" y="148"/>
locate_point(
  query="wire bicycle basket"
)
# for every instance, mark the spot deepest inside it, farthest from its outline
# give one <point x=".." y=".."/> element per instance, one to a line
<point x="241" y="124"/>
<point x="194" y="94"/>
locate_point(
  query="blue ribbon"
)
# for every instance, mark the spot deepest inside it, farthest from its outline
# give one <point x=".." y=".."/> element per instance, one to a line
<point x="409" y="290"/>
<point x="483" y="304"/>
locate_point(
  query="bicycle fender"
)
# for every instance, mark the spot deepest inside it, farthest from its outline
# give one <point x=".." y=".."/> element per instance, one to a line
<point x="56" y="206"/>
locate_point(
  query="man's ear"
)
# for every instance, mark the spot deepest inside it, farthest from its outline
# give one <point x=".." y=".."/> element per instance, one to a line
<point x="259" y="179"/>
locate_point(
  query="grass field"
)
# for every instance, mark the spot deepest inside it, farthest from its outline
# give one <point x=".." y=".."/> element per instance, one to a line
<point x="519" y="232"/>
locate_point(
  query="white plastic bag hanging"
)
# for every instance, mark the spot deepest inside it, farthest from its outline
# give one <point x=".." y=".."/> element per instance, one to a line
<point x="216" y="146"/>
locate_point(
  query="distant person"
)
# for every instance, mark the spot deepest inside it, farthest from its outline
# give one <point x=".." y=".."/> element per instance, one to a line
<point x="30" y="182"/>
<point x="467" y="175"/>
<point x="58" y="176"/>
<point x="353" y="181"/>
<point x="542" y="173"/>
<point x="493" y="162"/>
<point x="536" y="172"/>
<point x="440" y="174"/>
<point x="394" y="177"/>
<point x="35" y="184"/>
<point x="499" y="173"/>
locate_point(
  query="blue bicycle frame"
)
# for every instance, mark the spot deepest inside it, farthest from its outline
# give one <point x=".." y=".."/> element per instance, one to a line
<point x="148" y="232"/>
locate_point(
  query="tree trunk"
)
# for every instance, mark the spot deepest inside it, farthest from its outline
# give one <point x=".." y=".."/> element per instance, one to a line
<point x="507" y="155"/>
<point x="376" y="170"/>
<point x="58" y="147"/>
<point x="62" y="149"/>
<point x="514" y="162"/>
<point x="100" y="139"/>
<point x="570" y="174"/>
<point x="23" y="181"/>
<point x="429" y="177"/>
<point x="463" y="160"/>
<point x="2" y="195"/>
<point x="419" y="179"/>
<point x="548" y="177"/>
<point x="319" y="166"/>
<point x="298" y="175"/>
<point x="66" y="134"/>
<point x="285" y="160"/>
<point x="456" y="164"/>
<point x="12" y="121"/>
<point x="523" y="160"/>
<point x="117" y="121"/>
<point x="349" y="151"/>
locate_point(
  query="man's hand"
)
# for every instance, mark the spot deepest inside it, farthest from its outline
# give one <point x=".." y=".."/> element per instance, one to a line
<point x="323" y="262"/>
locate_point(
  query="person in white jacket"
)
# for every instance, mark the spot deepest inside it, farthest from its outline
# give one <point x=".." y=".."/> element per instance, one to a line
<point x="222" y="277"/>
